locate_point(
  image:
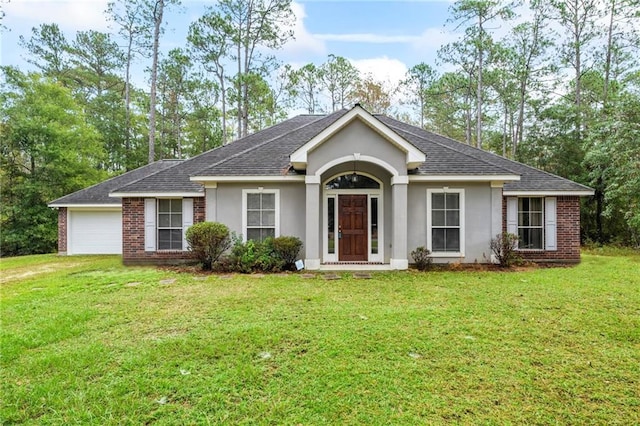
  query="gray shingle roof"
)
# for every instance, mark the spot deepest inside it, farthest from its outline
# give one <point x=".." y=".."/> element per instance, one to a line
<point x="267" y="152"/>
<point x="531" y="179"/>
<point x="99" y="193"/>
<point x="253" y="159"/>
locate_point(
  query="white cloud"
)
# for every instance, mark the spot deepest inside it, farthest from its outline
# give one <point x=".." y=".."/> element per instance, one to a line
<point x="368" y="38"/>
<point x="383" y="69"/>
<point x="70" y="15"/>
<point x="432" y="39"/>
<point x="304" y="43"/>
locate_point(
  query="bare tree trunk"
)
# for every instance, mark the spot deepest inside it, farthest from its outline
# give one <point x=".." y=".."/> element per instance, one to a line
<point x="607" y="65"/>
<point x="159" y="9"/>
<point x="127" y="101"/>
<point x="479" y="94"/>
<point x="504" y="131"/>
<point x="224" y="111"/>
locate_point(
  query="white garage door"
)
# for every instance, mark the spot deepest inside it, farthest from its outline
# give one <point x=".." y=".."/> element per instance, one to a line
<point x="94" y="232"/>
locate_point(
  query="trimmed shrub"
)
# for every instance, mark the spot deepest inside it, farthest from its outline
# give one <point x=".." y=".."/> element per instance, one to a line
<point x="503" y="247"/>
<point x="422" y="258"/>
<point x="286" y="250"/>
<point x="270" y="255"/>
<point x="208" y="241"/>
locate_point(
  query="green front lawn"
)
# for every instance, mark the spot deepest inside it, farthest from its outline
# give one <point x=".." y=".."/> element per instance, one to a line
<point x="88" y="341"/>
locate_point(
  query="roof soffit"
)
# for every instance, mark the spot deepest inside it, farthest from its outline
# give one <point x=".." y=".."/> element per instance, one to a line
<point x="414" y="157"/>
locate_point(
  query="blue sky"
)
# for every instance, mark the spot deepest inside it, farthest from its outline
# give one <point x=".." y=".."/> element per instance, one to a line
<point x="383" y="38"/>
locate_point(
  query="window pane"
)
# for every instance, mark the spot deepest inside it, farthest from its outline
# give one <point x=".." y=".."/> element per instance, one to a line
<point x="253" y="218"/>
<point x="536" y="238"/>
<point x="535" y="219"/>
<point x="349" y="182"/>
<point x="176" y="220"/>
<point x="268" y="232"/>
<point x="269" y="201"/>
<point x="523" y="204"/>
<point x="452" y="201"/>
<point x="437" y="218"/>
<point x="453" y="218"/>
<point x="253" y="234"/>
<point x="374" y="225"/>
<point x="437" y="240"/>
<point x="268" y="218"/>
<point x="164" y="239"/>
<point x="176" y="239"/>
<point x="176" y="206"/>
<point x="452" y="239"/>
<point x="523" y="219"/>
<point x="535" y="204"/>
<point x="164" y="206"/>
<point x="164" y="220"/>
<point x="437" y="201"/>
<point x="253" y="201"/>
<point x="331" y="202"/>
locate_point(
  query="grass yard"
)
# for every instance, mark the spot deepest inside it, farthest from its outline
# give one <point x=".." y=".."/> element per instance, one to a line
<point x="88" y="341"/>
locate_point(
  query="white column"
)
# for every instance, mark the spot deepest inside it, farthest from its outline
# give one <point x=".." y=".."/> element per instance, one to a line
<point x="496" y="212"/>
<point x="312" y="231"/>
<point x="399" y="259"/>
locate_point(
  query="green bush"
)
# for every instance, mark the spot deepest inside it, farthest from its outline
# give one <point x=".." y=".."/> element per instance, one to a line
<point x="208" y="241"/>
<point x="286" y="249"/>
<point x="503" y="247"/>
<point x="270" y="255"/>
<point x="422" y="258"/>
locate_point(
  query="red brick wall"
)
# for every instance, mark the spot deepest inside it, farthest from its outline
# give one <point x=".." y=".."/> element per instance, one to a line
<point x="133" y="234"/>
<point x="62" y="230"/>
<point x="568" y="233"/>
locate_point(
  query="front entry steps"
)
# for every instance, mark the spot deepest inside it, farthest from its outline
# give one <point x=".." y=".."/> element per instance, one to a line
<point x="355" y="266"/>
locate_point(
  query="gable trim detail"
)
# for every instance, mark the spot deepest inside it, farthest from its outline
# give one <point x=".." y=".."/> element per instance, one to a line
<point x="414" y="157"/>
<point x="362" y="158"/>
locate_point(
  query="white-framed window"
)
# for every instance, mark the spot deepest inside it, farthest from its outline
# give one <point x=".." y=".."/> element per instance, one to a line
<point x="445" y="222"/>
<point x="534" y="221"/>
<point x="531" y="223"/>
<point x="260" y="213"/>
<point x="170" y="224"/>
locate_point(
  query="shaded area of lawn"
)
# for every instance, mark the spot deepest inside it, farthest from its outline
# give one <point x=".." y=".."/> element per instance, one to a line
<point x="96" y="342"/>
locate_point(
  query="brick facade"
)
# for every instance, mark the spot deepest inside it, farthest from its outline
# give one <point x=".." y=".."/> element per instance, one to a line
<point x="133" y="251"/>
<point x="62" y="231"/>
<point x="568" y="233"/>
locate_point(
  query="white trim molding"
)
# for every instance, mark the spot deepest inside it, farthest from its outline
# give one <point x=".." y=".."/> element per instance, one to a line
<point x="87" y="206"/>
<point x="208" y="180"/>
<point x="335" y="193"/>
<point x="260" y="190"/>
<point x="156" y="194"/>
<point x="461" y="221"/>
<point x="583" y="193"/>
<point x="463" y="178"/>
<point x="364" y="158"/>
<point x="414" y="157"/>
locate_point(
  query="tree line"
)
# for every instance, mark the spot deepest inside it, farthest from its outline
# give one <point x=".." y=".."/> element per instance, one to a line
<point x="560" y="91"/>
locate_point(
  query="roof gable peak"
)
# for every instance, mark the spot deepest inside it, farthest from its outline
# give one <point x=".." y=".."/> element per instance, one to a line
<point x="414" y="157"/>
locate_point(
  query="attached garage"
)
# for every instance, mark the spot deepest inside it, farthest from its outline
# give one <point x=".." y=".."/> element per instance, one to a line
<point x="90" y="220"/>
<point x="94" y="231"/>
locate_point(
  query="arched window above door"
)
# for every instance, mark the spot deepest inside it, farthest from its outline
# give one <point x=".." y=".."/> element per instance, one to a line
<point x="352" y="181"/>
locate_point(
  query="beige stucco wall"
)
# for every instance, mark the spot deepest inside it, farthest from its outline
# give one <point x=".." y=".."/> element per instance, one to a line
<point x="478" y="218"/>
<point x="356" y="137"/>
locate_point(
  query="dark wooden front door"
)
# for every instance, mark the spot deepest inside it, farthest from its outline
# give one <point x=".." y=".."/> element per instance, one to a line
<point x="352" y="228"/>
